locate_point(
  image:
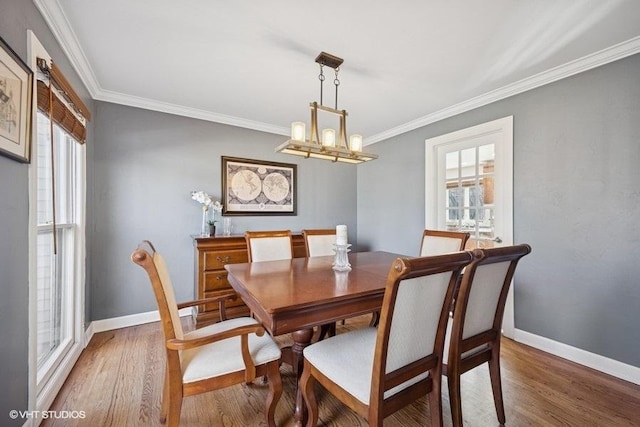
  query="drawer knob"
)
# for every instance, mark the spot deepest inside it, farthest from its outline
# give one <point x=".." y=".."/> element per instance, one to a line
<point x="223" y="260"/>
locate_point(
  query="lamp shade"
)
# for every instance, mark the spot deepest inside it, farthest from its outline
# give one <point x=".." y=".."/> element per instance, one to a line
<point x="355" y="142"/>
<point x="298" y="131"/>
<point x="328" y="137"/>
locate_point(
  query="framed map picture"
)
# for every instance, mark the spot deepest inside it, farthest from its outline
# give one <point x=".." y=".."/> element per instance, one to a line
<point x="16" y="86"/>
<point x="255" y="187"/>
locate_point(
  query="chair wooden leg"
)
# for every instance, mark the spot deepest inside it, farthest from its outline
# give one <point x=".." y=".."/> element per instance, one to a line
<point x="454" y="399"/>
<point x="164" y="405"/>
<point x="375" y="319"/>
<point x="375" y="420"/>
<point x="275" y="391"/>
<point x="496" y="383"/>
<point x="332" y="329"/>
<point x="174" y="404"/>
<point x="435" y="398"/>
<point x="307" y="385"/>
<point x="327" y="330"/>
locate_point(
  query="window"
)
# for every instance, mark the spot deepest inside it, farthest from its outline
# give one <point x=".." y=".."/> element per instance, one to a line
<point x="469" y="190"/>
<point x="55" y="271"/>
<point x="55" y="260"/>
<point x="57" y="236"/>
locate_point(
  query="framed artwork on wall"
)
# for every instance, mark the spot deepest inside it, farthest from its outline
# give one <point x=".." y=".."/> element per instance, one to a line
<point x="16" y="91"/>
<point x="256" y="187"/>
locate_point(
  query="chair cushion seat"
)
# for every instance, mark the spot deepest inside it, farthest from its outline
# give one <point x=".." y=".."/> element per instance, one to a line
<point x="347" y="360"/>
<point x="225" y="356"/>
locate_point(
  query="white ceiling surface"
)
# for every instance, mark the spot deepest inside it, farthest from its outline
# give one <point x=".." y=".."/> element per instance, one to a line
<point x="406" y="64"/>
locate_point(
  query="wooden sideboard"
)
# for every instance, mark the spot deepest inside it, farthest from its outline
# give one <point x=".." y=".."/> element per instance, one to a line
<point x="211" y="255"/>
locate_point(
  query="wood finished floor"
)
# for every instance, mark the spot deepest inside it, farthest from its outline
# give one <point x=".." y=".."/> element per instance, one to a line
<point x="118" y="381"/>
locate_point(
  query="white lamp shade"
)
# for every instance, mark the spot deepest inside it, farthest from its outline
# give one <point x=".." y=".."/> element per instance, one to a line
<point x="328" y="137"/>
<point x="355" y="142"/>
<point x="298" y="131"/>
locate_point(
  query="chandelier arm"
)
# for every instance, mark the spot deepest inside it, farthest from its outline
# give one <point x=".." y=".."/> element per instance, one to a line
<point x="314" y="136"/>
<point x="343" y="129"/>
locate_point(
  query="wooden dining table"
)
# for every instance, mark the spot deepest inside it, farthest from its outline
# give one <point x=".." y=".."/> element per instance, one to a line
<point x="293" y="296"/>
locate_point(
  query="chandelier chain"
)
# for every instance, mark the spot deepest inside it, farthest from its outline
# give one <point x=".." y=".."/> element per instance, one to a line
<point x="336" y="82"/>
<point x="321" y="78"/>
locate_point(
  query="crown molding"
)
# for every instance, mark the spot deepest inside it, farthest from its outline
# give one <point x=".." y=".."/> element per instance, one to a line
<point x="588" y="62"/>
<point x="55" y="18"/>
<point x="165" y="107"/>
<point x="59" y="25"/>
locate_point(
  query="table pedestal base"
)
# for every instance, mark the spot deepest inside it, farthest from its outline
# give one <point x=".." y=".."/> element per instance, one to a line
<point x="293" y="356"/>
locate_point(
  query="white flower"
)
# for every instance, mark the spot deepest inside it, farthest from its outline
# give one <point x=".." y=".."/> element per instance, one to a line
<point x="206" y="200"/>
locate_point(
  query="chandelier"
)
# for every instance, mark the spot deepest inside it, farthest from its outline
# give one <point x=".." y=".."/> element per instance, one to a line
<point x="328" y="148"/>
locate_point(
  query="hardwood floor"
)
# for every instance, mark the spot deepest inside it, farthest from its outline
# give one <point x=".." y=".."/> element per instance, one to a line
<point x="118" y="382"/>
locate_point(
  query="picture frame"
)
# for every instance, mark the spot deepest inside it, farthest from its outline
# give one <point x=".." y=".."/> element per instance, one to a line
<point x="257" y="187"/>
<point x="16" y="98"/>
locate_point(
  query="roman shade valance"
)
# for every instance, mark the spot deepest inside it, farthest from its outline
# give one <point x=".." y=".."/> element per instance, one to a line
<point x="61" y="102"/>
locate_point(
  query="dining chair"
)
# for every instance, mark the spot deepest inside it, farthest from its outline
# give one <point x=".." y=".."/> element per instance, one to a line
<point x="474" y="332"/>
<point x="321" y="242"/>
<point x="436" y="242"/>
<point x="217" y="356"/>
<point x="377" y="371"/>
<point x="269" y="245"/>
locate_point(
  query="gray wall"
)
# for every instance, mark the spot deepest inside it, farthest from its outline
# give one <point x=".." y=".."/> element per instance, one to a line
<point x="16" y="17"/>
<point x="576" y="201"/>
<point x="146" y="164"/>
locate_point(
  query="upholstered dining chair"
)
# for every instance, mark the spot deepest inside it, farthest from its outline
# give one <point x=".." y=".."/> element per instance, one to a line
<point x="269" y="245"/>
<point x="320" y="242"/>
<point x="377" y="371"/>
<point x="473" y="335"/>
<point x="210" y="358"/>
<point x="436" y="242"/>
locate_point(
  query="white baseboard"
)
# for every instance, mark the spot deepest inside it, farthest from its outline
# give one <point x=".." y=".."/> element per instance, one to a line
<point x="126" y="321"/>
<point x="594" y="361"/>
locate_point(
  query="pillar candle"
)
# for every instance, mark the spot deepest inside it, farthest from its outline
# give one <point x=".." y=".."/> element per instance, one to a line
<point x="341" y="235"/>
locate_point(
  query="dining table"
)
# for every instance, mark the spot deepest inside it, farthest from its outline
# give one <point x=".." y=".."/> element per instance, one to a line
<point x="295" y="295"/>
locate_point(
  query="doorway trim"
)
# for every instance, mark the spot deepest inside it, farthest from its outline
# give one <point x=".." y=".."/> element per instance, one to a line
<point x="501" y="130"/>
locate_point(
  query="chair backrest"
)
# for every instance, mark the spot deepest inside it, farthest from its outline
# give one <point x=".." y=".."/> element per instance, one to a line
<point x="479" y="306"/>
<point x="436" y="242"/>
<point x="413" y="321"/>
<point x="148" y="258"/>
<point x="319" y="242"/>
<point x="269" y="245"/>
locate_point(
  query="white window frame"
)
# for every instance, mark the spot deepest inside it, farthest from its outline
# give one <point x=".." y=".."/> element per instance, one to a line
<point x="42" y="391"/>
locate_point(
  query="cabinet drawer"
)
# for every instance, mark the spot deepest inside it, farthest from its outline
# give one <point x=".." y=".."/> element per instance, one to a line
<point x="216" y="260"/>
<point x="216" y="280"/>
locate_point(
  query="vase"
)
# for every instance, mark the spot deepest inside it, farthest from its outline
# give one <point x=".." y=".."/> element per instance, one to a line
<point x="204" y="229"/>
<point x="212" y="230"/>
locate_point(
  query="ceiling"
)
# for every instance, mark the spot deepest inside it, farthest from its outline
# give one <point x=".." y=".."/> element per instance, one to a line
<point x="406" y="64"/>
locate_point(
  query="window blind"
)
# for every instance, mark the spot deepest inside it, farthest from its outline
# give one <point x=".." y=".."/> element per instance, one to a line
<point x="61" y="102"/>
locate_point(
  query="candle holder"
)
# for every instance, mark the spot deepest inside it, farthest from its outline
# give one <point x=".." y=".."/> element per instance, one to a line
<point x="341" y="260"/>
